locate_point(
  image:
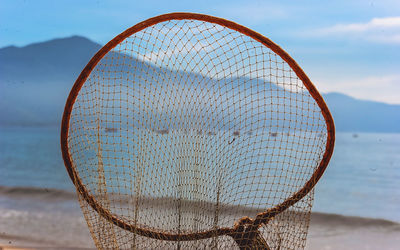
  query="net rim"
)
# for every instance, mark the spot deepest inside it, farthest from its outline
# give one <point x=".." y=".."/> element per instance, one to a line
<point x="261" y="217"/>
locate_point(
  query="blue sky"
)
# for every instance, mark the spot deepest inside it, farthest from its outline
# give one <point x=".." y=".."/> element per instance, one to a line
<point x="352" y="47"/>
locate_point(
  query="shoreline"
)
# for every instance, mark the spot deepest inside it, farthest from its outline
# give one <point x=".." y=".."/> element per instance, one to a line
<point x="327" y="231"/>
<point x="46" y="218"/>
<point x="52" y="195"/>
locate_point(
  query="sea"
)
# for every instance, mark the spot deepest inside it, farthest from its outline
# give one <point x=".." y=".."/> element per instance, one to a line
<point x="362" y="179"/>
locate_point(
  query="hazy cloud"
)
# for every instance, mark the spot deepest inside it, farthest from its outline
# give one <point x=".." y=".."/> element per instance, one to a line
<point x="383" y="88"/>
<point x="381" y="30"/>
<point x="375" y="23"/>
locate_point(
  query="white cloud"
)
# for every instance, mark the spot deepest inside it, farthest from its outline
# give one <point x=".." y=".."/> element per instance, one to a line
<point x="383" y="88"/>
<point x="181" y="52"/>
<point x="380" y="30"/>
<point x="375" y="23"/>
<point x="180" y="41"/>
<point x="392" y="39"/>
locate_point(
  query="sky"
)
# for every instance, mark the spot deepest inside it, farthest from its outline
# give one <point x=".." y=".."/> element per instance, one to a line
<point x="351" y="47"/>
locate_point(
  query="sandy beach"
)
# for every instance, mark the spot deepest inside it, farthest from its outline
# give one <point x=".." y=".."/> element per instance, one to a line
<point x="48" y="220"/>
<point x="335" y="233"/>
<point x="326" y="232"/>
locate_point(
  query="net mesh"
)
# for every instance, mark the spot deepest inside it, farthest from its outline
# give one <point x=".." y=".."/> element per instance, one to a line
<point x="188" y="126"/>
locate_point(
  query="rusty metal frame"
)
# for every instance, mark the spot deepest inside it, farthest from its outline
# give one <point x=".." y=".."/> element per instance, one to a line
<point x="261" y="218"/>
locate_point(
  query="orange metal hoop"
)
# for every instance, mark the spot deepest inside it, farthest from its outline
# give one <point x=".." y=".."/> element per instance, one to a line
<point x="254" y="223"/>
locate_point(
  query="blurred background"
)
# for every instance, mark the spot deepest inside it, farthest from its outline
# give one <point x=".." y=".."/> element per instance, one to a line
<point x="349" y="49"/>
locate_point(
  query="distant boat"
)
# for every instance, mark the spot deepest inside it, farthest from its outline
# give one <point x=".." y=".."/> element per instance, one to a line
<point x="355" y="135"/>
<point x="111" y="130"/>
<point x="162" y="131"/>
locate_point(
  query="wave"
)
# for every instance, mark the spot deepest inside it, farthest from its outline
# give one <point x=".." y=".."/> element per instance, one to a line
<point x="37" y="192"/>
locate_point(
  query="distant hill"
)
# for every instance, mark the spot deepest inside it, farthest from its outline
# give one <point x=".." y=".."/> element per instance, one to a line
<point x="352" y="115"/>
<point x="54" y="60"/>
<point x="36" y="79"/>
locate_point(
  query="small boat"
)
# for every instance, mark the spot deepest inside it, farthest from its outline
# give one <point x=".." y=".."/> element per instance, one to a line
<point x="111" y="130"/>
<point x="162" y="131"/>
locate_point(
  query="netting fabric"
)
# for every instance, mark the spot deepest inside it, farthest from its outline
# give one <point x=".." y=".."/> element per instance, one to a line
<point x="184" y="132"/>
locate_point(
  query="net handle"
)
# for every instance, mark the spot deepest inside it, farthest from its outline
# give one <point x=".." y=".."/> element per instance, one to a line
<point x="261" y="218"/>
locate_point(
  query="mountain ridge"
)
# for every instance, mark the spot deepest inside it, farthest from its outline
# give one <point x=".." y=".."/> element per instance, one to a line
<point x="29" y="73"/>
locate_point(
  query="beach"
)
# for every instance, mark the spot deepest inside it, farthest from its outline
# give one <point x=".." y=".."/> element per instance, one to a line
<point x="327" y="231"/>
<point x="52" y="219"/>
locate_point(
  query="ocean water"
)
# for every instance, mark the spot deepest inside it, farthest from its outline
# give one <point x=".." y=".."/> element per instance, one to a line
<point x="362" y="178"/>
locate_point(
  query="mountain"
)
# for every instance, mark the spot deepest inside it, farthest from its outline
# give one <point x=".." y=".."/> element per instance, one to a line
<point x="35" y="81"/>
<point x="352" y="115"/>
<point x="54" y="60"/>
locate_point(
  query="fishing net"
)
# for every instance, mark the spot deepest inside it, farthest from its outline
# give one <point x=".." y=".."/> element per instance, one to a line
<point x="189" y="131"/>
